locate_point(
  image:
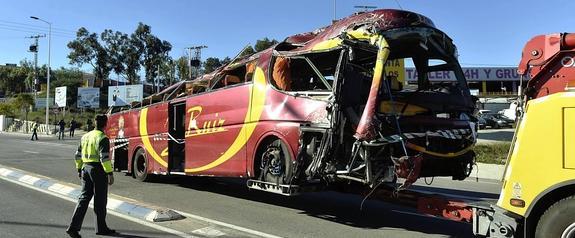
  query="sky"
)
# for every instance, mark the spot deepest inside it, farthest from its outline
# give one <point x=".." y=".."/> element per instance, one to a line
<point x="487" y="32"/>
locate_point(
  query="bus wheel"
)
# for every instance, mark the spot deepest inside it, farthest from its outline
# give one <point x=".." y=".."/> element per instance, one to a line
<point x="558" y="220"/>
<point x="274" y="162"/>
<point x="140" y="166"/>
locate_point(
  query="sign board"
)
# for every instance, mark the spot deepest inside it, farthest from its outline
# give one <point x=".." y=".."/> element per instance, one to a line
<point x="124" y="95"/>
<point x="41" y="102"/>
<point x="472" y="74"/>
<point x="396" y="68"/>
<point x="88" y="98"/>
<point x="61" y="96"/>
<point x="474" y="92"/>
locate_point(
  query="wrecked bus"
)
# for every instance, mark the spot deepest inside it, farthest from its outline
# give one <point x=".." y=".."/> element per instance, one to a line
<point x="315" y="110"/>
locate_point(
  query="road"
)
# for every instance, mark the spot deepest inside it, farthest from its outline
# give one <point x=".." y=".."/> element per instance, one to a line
<point x="495" y="135"/>
<point x="29" y="213"/>
<point x="322" y="214"/>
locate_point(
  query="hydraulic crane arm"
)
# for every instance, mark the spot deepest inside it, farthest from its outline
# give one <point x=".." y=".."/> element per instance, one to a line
<point x="549" y="61"/>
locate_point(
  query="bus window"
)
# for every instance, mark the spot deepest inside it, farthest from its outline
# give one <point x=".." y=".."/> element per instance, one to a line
<point x="312" y="72"/>
<point x="231" y="77"/>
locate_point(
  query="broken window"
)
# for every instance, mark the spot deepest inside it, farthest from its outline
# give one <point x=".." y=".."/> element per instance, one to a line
<point x="238" y="75"/>
<point x="305" y="73"/>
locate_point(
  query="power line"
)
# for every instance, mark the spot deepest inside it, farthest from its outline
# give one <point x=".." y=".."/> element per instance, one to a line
<point x="397" y="1"/>
<point x="41" y="29"/>
<point x="31" y="25"/>
<point x="35" y="32"/>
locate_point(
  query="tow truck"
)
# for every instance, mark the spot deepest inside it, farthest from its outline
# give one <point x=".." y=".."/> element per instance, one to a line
<point x="538" y="193"/>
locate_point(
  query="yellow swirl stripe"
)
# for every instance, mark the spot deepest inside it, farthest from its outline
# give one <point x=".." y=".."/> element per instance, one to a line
<point x="254" y="112"/>
<point x="146" y="139"/>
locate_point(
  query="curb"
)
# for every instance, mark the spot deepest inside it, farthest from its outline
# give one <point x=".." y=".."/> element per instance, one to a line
<point x="488" y="171"/>
<point x="115" y="203"/>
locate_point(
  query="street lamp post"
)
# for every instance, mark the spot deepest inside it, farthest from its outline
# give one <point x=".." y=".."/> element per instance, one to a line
<point x="47" y="74"/>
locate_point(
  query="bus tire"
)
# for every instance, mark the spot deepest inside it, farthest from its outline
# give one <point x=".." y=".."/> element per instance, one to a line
<point x="558" y="220"/>
<point x="275" y="162"/>
<point x="140" y="166"/>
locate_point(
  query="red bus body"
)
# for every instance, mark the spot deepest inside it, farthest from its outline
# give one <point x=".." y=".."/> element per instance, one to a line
<point x="240" y="121"/>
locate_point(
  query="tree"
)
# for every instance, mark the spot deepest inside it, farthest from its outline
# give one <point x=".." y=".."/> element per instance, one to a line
<point x="264" y="44"/>
<point x="154" y="51"/>
<point x="72" y="79"/>
<point x="86" y="49"/>
<point x="211" y="64"/>
<point x="247" y="51"/>
<point x="167" y="72"/>
<point x="23" y="102"/>
<point x="7" y="109"/>
<point x="260" y="45"/>
<point x="183" y="68"/>
<point x="226" y="60"/>
<point x="113" y="42"/>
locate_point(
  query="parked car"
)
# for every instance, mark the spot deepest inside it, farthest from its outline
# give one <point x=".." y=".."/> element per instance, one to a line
<point x="481" y="123"/>
<point x="495" y="120"/>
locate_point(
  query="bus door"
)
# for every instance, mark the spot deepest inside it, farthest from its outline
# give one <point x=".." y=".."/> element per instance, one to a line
<point x="177" y="131"/>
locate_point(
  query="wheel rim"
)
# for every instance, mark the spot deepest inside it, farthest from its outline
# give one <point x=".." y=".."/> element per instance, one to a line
<point x="272" y="156"/>
<point x="569" y="232"/>
<point x="141" y="165"/>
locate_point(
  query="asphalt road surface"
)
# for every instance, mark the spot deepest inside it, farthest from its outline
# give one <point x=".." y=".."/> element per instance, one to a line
<point x="26" y="212"/>
<point x="321" y="214"/>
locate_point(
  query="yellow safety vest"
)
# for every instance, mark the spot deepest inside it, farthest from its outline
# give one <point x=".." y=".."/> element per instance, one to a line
<point x="90" y="145"/>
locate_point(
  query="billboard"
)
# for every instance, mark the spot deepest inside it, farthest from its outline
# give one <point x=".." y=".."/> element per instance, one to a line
<point x="396" y="68"/>
<point x="60" y="97"/>
<point x="472" y="74"/>
<point x="124" y="95"/>
<point x="88" y="98"/>
<point x="41" y="102"/>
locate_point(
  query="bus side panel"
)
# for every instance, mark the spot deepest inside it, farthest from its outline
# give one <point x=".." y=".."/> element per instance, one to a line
<point x="214" y="144"/>
<point x="122" y="130"/>
<point x="153" y="127"/>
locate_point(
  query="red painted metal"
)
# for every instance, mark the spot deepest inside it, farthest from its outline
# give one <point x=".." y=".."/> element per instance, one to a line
<point x="446" y="208"/>
<point x="383" y="19"/>
<point x="549" y="61"/>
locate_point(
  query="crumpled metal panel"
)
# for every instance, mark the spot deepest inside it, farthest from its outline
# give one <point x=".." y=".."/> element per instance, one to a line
<point x="381" y="20"/>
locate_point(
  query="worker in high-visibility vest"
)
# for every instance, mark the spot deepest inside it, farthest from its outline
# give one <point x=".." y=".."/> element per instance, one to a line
<point x="95" y="170"/>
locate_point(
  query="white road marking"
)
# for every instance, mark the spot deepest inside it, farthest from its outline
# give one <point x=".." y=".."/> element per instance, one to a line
<point x="208" y="232"/>
<point x="31" y="152"/>
<point x="57" y="188"/>
<point x="141" y="222"/>
<point x="239" y="228"/>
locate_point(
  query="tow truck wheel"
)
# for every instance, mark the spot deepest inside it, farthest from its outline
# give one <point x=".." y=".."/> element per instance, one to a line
<point x="274" y="162"/>
<point x="558" y="220"/>
<point x="140" y="166"/>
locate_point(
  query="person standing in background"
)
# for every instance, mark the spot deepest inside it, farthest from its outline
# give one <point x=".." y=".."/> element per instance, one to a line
<point x="62" y="125"/>
<point x="73" y="125"/>
<point x="35" y="130"/>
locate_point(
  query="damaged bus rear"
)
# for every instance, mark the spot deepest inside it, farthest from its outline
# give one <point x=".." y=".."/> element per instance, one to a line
<point x="360" y="124"/>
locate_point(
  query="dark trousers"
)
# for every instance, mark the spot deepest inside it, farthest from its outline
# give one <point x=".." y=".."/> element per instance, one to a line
<point x="72" y="132"/>
<point x="61" y="134"/>
<point x="94" y="183"/>
<point x="34" y="134"/>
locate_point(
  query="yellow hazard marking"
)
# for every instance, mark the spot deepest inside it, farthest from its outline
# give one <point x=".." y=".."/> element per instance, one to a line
<point x="146" y="139"/>
<point x="253" y="114"/>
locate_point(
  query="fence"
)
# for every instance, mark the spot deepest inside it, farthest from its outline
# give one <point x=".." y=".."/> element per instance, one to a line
<point x="17" y="125"/>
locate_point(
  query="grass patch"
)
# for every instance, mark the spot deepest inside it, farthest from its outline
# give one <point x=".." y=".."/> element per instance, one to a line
<point x="492" y="153"/>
